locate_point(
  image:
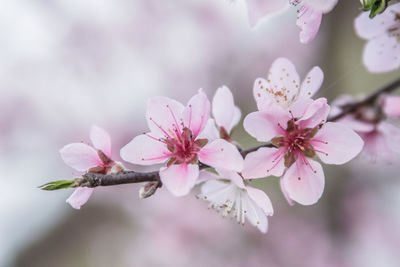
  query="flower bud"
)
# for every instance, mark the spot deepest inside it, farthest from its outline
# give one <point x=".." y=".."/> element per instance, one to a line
<point x="148" y="189"/>
<point x="374" y="6"/>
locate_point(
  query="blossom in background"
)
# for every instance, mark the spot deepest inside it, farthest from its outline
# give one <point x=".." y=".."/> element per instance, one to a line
<point x="382" y="51"/>
<point x="381" y="138"/>
<point x="226" y="116"/>
<point x="309" y="13"/>
<point x="228" y="194"/>
<point x="175" y="137"/>
<point x="283" y="87"/>
<point x="84" y="158"/>
<point x="298" y="138"/>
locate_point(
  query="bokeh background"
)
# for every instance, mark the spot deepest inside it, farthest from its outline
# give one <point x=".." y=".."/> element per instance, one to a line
<point x="68" y="64"/>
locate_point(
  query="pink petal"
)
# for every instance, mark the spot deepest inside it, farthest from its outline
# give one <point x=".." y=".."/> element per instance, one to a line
<point x="179" y="179"/>
<point x="264" y="162"/>
<point x="311" y="83"/>
<point x="234" y="177"/>
<point x="223" y="107"/>
<point x="299" y="107"/>
<point x="262" y="97"/>
<point x="222" y="155"/>
<point x="258" y="9"/>
<point x="237" y="115"/>
<point x="210" y="132"/>
<point x="304" y="183"/>
<point x="145" y="150"/>
<point x="356" y="124"/>
<point x="79" y="197"/>
<point x="197" y="113"/>
<point x="265" y="125"/>
<point x="163" y="114"/>
<point x="322" y="5"/>
<point x="370" y="28"/>
<point x="382" y="54"/>
<point x="308" y="20"/>
<point x="391" y="106"/>
<point x="285" y="193"/>
<point x="261" y="199"/>
<point x="284" y="82"/>
<point x="205" y="176"/>
<point x="383" y="144"/>
<point x="315" y="114"/>
<point x="101" y="140"/>
<point x="335" y="143"/>
<point x="80" y="156"/>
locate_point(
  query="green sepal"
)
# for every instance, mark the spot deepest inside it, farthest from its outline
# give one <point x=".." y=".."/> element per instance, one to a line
<point x="374" y="6"/>
<point x="62" y="184"/>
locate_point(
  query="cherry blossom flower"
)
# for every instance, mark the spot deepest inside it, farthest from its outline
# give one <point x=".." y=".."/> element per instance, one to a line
<point x="382" y="51"/>
<point x="309" y="13"/>
<point x="84" y="158"/>
<point x="381" y="138"/>
<point x="174" y="138"/>
<point x="228" y="194"/>
<point x="297" y="139"/>
<point x="283" y="87"/>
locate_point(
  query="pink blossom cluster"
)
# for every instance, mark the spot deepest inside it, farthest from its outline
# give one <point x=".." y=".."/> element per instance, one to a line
<point x="192" y="145"/>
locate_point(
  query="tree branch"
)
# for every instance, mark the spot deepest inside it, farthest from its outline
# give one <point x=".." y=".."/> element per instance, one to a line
<point x="369" y="100"/>
<point x="91" y="179"/>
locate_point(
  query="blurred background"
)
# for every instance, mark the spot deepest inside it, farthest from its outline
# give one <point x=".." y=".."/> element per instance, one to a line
<point x="66" y="65"/>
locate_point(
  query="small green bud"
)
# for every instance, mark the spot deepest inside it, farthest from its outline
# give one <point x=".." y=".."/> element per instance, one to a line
<point x="374" y="6"/>
<point x="62" y="184"/>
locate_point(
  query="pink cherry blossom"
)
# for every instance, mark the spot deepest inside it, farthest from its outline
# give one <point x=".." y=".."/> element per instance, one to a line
<point x="174" y="139"/>
<point x="382" y="51"/>
<point x="96" y="158"/>
<point x="228" y="194"/>
<point x="381" y="138"/>
<point x="310" y="15"/>
<point x="297" y="140"/>
<point x="283" y="87"/>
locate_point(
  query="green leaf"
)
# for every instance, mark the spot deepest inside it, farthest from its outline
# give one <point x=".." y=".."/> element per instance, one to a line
<point x="62" y="184"/>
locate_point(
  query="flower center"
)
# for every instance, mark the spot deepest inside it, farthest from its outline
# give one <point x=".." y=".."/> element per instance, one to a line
<point x="295" y="142"/>
<point x="180" y="141"/>
<point x="184" y="147"/>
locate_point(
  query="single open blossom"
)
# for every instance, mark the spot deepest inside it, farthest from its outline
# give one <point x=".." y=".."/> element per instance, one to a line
<point x="226" y="116"/>
<point x="228" y="194"/>
<point x="298" y="139"/>
<point x="284" y="88"/>
<point x="382" y="51"/>
<point x="175" y="138"/>
<point x="381" y="138"/>
<point x="309" y="13"/>
<point x="96" y="158"/>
